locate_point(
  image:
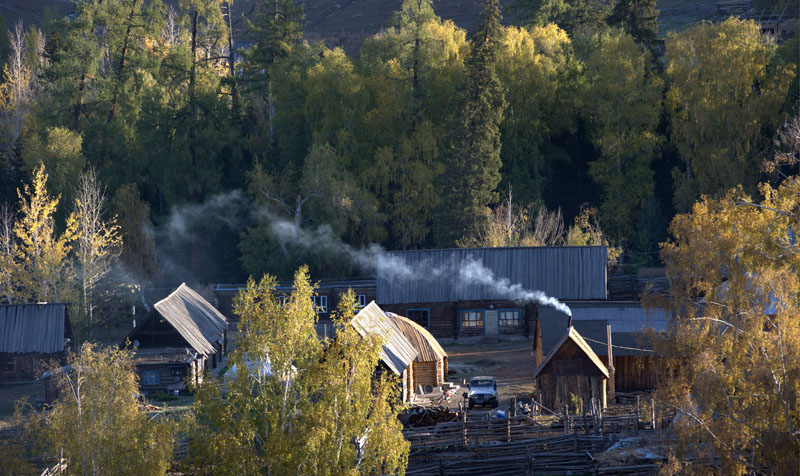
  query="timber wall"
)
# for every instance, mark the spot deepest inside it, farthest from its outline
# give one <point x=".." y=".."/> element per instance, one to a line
<point x="25" y="366"/>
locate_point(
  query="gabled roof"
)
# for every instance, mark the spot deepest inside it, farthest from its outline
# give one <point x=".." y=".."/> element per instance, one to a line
<point x="396" y="351"/>
<point x="428" y="348"/>
<point x="195" y="319"/>
<point x="574" y="336"/>
<point x="41" y="328"/>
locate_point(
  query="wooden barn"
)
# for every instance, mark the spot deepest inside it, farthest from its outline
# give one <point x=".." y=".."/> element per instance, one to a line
<point x="32" y="335"/>
<point x="636" y="366"/>
<point x="177" y="341"/>
<point x="571" y="374"/>
<point x="442" y="296"/>
<point x="397" y="353"/>
<point x="430" y="365"/>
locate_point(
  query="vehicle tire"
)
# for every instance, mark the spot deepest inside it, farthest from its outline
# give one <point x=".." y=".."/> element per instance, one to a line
<point x="494" y="403"/>
<point x="471" y="404"/>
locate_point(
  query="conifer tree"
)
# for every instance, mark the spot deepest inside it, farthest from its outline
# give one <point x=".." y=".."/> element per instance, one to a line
<point x="473" y="169"/>
<point x="639" y="18"/>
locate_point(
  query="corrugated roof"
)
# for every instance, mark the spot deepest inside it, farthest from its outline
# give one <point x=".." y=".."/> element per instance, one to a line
<point x="194" y="318"/>
<point x="575" y="337"/>
<point x="38" y="328"/>
<point x="396" y="352"/>
<point x="428" y="348"/>
<point x="629" y="323"/>
<point x="568" y="272"/>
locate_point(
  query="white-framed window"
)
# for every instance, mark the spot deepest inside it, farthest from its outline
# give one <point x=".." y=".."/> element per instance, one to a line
<point x="320" y="303"/>
<point x="282" y="300"/>
<point x="150" y="377"/>
<point x="471" y="318"/>
<point x="362" y="300"/>
<point x="509" y="317"/>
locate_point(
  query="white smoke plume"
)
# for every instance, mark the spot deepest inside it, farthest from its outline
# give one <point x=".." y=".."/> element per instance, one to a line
<point x="393" y="268"/>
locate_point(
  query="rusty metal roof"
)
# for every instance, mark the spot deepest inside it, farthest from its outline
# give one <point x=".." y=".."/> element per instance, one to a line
<point x="41" y="328"/>
<point x="428" y="348"/>
<point x="194" y="318"/>
<point x="396" y="351"/>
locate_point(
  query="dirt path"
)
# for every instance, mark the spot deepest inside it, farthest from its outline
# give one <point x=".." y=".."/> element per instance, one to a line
<point x="510" y="362"/>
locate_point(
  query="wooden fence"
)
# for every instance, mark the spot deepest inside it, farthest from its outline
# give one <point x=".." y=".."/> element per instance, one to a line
<point x="547" y="444"/>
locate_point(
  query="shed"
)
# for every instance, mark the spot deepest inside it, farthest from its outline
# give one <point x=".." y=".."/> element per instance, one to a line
<point x="430" y="365"/>
<point x="571" y="374"/>
<point x="176" y="339"/>
<point x="397" y="353"/>
<point x="636" y="366"/>
<point x="31" y="335"/>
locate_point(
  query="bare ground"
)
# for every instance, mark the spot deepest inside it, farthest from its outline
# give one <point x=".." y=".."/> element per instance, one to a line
<point x="512" y="363"/>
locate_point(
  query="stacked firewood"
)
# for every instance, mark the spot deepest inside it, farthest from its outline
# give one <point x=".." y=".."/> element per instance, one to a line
<point x="427" y="416"/>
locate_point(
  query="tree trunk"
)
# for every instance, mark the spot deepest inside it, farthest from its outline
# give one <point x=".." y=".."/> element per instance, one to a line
<point x="112" y="110"/>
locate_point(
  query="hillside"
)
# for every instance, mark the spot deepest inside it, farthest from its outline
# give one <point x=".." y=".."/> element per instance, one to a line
<point x="344" y="22"/>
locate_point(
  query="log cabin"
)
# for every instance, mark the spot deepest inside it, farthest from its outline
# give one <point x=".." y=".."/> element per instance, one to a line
<point x="397" y="353"/>
<point x="571" y="374"/>
<point x="31" y="336"/>
<point x="177" y="341"/>
<point x="430" y="366"/>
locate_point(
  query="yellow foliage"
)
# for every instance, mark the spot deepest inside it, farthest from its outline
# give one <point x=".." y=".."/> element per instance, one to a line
<point x="734" y="351"/>
<point x="40" y="256"/>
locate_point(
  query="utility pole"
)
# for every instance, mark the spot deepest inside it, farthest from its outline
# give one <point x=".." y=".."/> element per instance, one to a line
<point x="611" y="390"/>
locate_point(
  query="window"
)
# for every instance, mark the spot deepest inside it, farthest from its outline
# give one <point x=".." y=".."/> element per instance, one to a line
<point x="471" y="318"/>
<point x="282" y="300"/>
<point x="509" y="317"/>
<point x="420" y="316"/>
<point x="362" y="300"/>
<point x="320" y="303"/>
<point x="150" y="377"/>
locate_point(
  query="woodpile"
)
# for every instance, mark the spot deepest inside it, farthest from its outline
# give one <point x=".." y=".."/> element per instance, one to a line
<point x="427" y="416"/>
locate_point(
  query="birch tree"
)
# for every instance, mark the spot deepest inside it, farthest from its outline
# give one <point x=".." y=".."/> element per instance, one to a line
<point x="98" y="242"/>
<point x="15" y="92"/>
<point x="96" y="423"/>
<point x="41" y="254"/>
<point x="734" y="347"/>
<point x="296" y="403"/>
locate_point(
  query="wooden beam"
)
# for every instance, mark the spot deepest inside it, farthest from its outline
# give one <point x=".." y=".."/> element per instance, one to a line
<point x="610" y="366"/>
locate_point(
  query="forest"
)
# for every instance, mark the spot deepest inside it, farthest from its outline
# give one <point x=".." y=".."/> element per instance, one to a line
<point x="428" y="136"/>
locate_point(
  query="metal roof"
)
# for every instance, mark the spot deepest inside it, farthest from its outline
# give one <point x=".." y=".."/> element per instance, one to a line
<point x="629" y="322"/>
<point x="194" y="318"/>
<point x="566" y="272"/>
<point x="428" y="348"/>
<point x="41" y="328"/>
<point x="575" y="337"/>
<point x="396" y="351"/>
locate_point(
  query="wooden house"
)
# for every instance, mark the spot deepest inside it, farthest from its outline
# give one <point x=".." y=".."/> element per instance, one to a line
<point x="430" y="365"/>
<point x="571" y="373"/>
<point x="636" y="366"/>
<point x="397" y="353"/>
<point x="177" y="341"/>
<point x="32" y="335"/>
<point x="448" y="303"/>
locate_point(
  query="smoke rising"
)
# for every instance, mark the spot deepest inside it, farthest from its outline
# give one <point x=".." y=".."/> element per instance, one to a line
<point x="390" y="267"/>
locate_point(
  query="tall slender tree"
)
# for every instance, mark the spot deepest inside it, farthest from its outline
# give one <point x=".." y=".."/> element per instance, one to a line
<point x="473" y="169"/>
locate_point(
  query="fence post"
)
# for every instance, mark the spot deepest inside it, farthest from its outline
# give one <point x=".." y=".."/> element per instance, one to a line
<point x="566" y="419"/>
<point x="508" y="428"/>
<point x="653" y="412"/>
<point x="637" y="413"/>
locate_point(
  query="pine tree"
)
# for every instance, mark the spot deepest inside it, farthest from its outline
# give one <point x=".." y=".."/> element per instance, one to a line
<point x="570" y="15"/>
<point x="473" y="170"/>
<point x="639" y="18"/>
